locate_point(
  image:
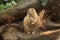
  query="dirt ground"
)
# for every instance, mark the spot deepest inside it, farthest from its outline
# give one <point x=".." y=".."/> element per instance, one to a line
<point x="11" y="28"/>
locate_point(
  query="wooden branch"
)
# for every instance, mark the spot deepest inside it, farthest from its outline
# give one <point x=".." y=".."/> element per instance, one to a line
<point x="19" y="11"/>
<point x="49" y="25"/>
<point x="47" y="35"/>
<point x="53" y="8"/>
<point x="52" y="24"/>
<point x="18" y="25"/>
<point x="43" y="36"/>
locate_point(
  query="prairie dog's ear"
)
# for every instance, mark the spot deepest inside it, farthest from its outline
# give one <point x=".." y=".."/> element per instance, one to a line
<point x="41" y="14"/>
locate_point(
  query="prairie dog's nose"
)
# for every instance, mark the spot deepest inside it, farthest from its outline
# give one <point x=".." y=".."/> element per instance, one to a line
<point x="31" y="9"/>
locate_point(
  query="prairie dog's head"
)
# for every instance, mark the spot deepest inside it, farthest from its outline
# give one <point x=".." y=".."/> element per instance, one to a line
<point x="32" y="14"/>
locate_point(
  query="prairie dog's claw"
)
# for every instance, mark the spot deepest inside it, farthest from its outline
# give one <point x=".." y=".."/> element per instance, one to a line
<point x="34" y="21"/>
<point x="33" y="32"/>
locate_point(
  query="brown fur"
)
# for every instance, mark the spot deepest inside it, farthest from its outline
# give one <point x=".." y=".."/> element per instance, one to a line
<point x="32" y="21"/>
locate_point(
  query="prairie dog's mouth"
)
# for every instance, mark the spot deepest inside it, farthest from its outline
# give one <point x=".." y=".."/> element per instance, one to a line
<point x="31" y="18"/>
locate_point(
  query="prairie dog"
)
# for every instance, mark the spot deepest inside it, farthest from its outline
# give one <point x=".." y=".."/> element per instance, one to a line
<point x="32" y="21"/>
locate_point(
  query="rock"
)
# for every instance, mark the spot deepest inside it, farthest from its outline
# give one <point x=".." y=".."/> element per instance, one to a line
<point x="11" y="34"/>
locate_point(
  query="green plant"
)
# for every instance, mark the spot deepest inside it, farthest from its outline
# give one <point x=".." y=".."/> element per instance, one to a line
<point x="5" y="4"/>
<point x="44" y="2"/>
<point x="13" y="3"/>
<point x="8" y="5"/>
<point x="1" y="7"/>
